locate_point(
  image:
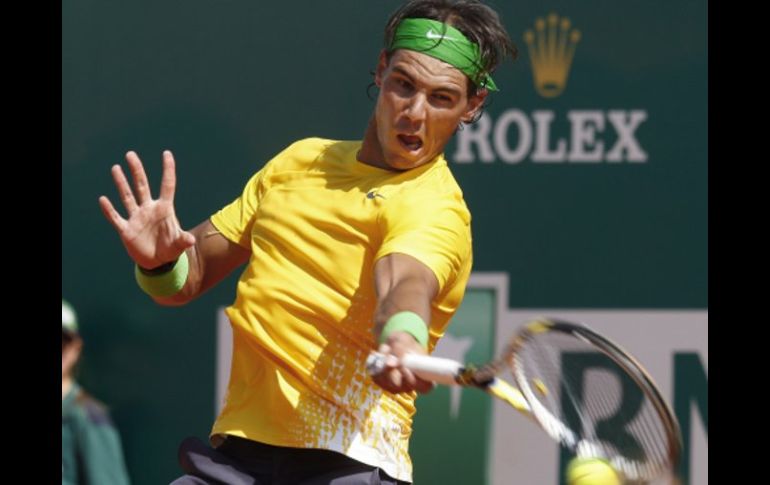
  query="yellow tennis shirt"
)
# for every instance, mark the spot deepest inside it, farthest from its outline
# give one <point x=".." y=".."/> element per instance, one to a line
<point x="316" y="220"/>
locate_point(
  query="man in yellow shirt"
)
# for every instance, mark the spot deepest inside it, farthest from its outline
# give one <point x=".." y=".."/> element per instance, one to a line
<point x="349" y="246"/>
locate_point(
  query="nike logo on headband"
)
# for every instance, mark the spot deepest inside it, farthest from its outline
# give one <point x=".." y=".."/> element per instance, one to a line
<point x="433" y="35"/>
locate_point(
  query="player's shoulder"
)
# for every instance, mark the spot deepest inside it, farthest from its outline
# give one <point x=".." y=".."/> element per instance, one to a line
<point x="314" y="147"/>
<point x="443" y="180"/>
<point x="437" y="182"/>
<point x="308" y="151"/>
<point x="434" y="191"/>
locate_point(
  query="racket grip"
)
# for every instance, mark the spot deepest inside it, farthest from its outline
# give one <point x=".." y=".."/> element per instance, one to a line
<point x="436" y="369"/>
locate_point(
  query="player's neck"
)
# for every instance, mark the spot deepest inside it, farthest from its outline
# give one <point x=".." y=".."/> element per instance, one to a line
<point x="371" y="151"/>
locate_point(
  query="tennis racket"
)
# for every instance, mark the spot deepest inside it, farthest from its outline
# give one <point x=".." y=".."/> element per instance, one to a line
<point x="612" y="411"/>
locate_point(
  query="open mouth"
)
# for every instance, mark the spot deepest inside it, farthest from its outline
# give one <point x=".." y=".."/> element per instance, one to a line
<point x="410" y="142"/>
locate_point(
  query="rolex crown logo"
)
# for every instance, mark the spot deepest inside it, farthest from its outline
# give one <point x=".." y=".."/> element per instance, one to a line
<point x="551" y="49"/>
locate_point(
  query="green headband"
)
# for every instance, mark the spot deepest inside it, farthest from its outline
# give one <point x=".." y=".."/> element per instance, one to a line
<point x="443" y="42"/>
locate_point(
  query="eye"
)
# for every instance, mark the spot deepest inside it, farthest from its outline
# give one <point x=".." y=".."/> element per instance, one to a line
<point x="403" y="83"/>
<point x="442" y="99"/>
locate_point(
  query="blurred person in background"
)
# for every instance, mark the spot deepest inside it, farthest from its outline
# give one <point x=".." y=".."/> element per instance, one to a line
<point x="91" y="450"/>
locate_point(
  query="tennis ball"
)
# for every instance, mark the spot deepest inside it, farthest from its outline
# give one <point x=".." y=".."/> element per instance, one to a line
<point x="591" y="471"/>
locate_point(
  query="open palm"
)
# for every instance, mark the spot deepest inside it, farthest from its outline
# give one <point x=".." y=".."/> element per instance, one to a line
<point x="151" y="234"/>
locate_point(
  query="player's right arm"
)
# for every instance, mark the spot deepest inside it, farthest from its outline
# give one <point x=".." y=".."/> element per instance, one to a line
<point x="154" y="238"/>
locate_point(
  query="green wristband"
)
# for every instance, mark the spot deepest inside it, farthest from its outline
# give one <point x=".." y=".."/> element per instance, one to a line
<point x="164" y="284"/>
<point x="408" y="322"/>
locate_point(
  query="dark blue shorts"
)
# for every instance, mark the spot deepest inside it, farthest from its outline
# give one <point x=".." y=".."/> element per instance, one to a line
<point x="239" y="461"/>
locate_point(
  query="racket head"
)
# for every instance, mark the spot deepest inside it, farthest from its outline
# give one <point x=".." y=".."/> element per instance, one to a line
<point x="593" y="397"/>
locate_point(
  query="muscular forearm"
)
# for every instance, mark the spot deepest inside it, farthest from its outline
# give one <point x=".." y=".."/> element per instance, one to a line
<point x="402" y="284"/>
<point x="407" y="295"/>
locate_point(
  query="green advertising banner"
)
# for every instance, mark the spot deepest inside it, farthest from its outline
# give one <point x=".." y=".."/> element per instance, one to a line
<point x="460" y="419"/>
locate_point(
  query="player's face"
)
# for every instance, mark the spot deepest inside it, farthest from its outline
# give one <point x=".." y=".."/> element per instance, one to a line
<point x="422" y="101"/>
<point x="70" y="351"/>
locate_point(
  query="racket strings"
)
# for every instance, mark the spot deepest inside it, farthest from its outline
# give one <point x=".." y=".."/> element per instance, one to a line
<point x="636" y="433"/>
<point x="598" y="403"/>
<point x="587" y="391"/>
<point x="624" y="433"/>
<point x="540" y="381"/>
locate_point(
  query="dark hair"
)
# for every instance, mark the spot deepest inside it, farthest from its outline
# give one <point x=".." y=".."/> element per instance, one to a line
<point x="478" y="22"/>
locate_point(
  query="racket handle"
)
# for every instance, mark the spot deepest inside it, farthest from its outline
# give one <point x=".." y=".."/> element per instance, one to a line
<point x="436" y="369"/>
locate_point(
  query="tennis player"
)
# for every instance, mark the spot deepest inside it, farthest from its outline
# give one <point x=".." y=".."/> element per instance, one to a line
<point x="348" y="246"/>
